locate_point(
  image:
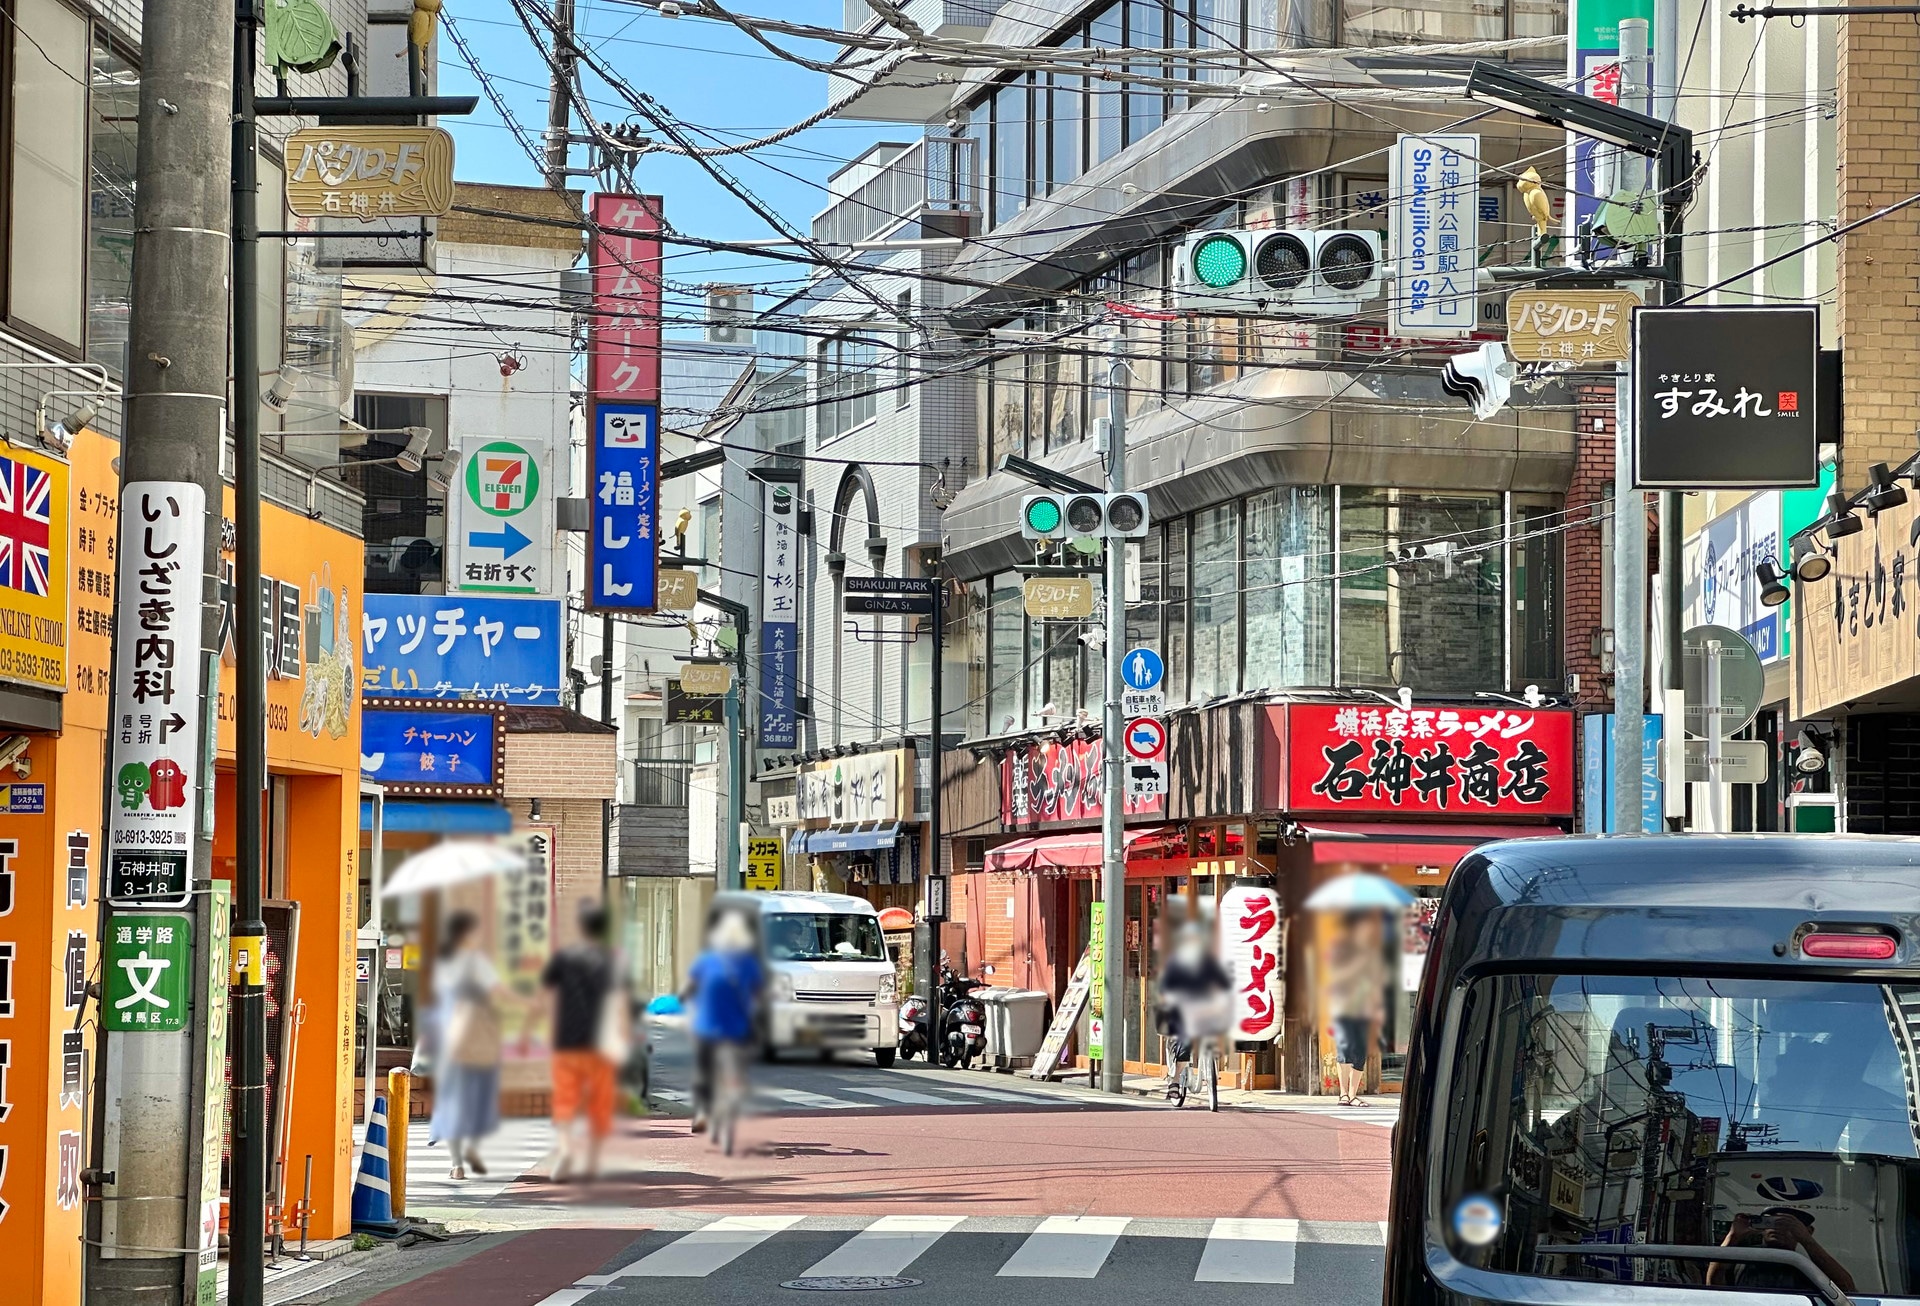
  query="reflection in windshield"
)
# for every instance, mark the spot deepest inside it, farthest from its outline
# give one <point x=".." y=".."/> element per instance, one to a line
<point x="1607" y="1111"/>
<point x="795" y="936"/>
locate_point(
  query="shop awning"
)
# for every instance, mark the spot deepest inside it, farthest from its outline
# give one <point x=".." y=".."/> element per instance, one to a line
<point x="1054" y="854"/>
<point x="407" y="817"/>
<point x="797" y="843"/>
<point x="1420" y="843"/>
<point x="857" y="840"/>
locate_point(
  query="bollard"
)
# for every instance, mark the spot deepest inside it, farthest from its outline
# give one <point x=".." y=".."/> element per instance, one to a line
<point x="399" y="1117"/>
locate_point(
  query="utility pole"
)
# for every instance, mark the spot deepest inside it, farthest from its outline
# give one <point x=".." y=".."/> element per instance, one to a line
<point x="560" y="96"/>
<point x="247" y="1202"/>
<point x="1673" y="525"/>
<point x="147" y="1128"/>
<point x="934" y="905"/>
<point x="729" y="874"/>
<point x="1113" y="813"/>
<point x="1629" y="513"/>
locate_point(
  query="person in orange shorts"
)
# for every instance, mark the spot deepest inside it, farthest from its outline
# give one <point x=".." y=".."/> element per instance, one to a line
<point x="584" y="980"/>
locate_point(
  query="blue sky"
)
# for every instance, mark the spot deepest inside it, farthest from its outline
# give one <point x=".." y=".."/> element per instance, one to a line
<point x="708" y="75"/>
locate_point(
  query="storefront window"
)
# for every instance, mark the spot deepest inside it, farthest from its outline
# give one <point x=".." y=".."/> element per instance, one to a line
<point x="1433" y="624"/>
<point x="1536" y="596"/>
<point x="1143" y="617"/>
<point x="1289" y="616"/>
<point x="1036" y="674"/>
<point x="1005" y="656"/>
<point x="973" y="646"/>
<point x="1216" y="602"/>
<point x="1383" y="22"/>
<point x="1011" y="150"/>
<point x="1175" y="653"/>
<point x="1146" y="30"/>
<point x="1063" y="666"/>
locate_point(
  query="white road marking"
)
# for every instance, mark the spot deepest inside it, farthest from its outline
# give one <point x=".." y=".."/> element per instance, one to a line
<point x="1249" y="1251"/>
<point x="700" y="1253"/>
<point x="902" y="1095"/>
<point x="885" y="1247"/>
<point x="1066" y="1247"/>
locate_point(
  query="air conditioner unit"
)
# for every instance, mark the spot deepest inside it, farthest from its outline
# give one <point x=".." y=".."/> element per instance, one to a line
<point x="729" y="315"/>
<point x="1288" y="272"/>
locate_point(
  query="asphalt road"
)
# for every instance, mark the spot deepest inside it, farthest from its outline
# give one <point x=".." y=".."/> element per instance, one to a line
<point x="964" y="1186"/>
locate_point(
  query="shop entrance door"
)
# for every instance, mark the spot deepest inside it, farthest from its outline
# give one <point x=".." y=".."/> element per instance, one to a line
<point x="1146" y="907"/>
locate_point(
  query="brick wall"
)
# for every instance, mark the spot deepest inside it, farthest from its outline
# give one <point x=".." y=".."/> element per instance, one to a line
<point x="1582" y="584"/>
<point x="570" y="774"/>
<point x="1879" y="298"/>
<point x="1883" y="774"/>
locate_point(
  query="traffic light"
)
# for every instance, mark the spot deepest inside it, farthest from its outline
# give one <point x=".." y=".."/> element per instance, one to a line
<point x="1293" y="272"/>
<point x="1054" y="516"/>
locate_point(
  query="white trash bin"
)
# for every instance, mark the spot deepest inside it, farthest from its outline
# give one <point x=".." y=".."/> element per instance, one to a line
<point x="1016" y="1026"/>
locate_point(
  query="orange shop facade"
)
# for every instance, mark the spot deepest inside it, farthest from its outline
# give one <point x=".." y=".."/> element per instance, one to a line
<point x="56" y="599"/>
<point x="1297" y="793"/>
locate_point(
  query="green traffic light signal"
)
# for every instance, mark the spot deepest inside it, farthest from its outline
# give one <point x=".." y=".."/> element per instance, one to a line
<point x="1043" y="515"/>
<point x="1219" y="262"/>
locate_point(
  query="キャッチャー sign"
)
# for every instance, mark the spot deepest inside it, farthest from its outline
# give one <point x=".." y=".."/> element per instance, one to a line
<point x="462" y="646"/>
<point x="1434" y="239"/>
<point x="623" y="541"/>
<point x="1724" y="398"/>
<point x="502" y="529"/>
<point x="156" y="771"/>
<point x="1430" y="761"/>
<point x="34" y="579"/>
<point x="370" y="172"/>
<point x="1570" y="326"/>
<point x="432" y="751"/>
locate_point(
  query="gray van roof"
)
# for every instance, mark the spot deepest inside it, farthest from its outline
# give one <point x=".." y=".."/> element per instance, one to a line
<point x="761" y="902"/>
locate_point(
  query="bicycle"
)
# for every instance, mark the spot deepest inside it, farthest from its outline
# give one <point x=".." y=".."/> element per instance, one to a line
<point x="1202" y="1067"/>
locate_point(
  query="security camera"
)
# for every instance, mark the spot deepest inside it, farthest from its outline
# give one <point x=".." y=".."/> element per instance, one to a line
<point x="13" y="753"/>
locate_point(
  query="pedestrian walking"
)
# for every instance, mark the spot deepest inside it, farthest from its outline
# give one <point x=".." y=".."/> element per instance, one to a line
<point x="723" y="988"/>
<point x="466" y="1097"/>
<point x="592" y="1026"/>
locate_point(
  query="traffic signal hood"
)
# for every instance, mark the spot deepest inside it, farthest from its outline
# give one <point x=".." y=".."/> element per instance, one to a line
<point x="1301" y="272"/>
<point x="1054" y="515"/>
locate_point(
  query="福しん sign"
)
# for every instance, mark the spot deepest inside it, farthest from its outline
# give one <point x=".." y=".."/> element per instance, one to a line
<point x="1437" y="761"/>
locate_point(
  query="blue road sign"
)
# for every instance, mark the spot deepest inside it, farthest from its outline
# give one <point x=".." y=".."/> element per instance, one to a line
<point x="624" y="545"/>
<point x="1143" y="669"/>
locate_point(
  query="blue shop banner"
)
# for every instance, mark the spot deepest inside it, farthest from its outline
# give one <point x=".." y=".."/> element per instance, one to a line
<point x="462" y="646"/>
<point x="623" y="548"/>
<point x="412" y="749"/>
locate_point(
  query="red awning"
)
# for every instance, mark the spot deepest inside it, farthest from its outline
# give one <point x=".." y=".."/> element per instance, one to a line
<point x="1419" y="843"/>
<point x="1066" y="854"/>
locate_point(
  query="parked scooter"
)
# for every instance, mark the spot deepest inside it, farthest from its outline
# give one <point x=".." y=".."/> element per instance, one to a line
<point x="962" y="1022"/>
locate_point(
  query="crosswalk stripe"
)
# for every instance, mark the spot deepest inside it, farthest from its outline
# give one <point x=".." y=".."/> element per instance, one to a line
<point x="885" y="1247"/>
<point x="902" y="1095"/>
<point x="700" y="1253"/>
<point x="1066" y="1247"/>
<point x="800" y="1097"/>
<point x="1249" y="1251"/>
<point x="1002" y="1095"/>
<point x="565" y="1297"/>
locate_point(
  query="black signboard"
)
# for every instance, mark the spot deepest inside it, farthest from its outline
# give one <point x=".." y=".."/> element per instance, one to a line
<point x="889" y="605"/>
<point x="1726" y="398"/>
<point x="156" y="877"/>
<point x="889" y="585"/>
<point x="694" y="709"/>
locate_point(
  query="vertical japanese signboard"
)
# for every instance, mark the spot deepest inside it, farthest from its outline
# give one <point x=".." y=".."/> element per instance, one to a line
<point x="1250" y="945"/>
<point x="623" y="361"/>
<point x="779" y="617"/>
<point x="1593" y="61"/>
<point x="156" y="710"/>
<point x="623" y="545"/>
<point x="1435" y="235"/>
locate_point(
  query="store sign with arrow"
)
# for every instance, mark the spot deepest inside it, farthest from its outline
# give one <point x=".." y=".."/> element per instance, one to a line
<point x="502" y="529"/>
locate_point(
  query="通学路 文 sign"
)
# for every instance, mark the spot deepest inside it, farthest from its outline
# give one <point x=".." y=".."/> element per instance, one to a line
<point x="417" y="750"/>
<point x="447" y="646"/>
<point x="623" y="544"/>
<point x="147" y="973"/>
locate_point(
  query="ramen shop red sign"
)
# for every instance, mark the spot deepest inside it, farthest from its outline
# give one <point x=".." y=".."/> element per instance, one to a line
<point x="1430" y="761"/>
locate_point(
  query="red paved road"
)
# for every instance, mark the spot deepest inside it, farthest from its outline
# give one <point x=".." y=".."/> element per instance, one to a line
<point x="1003" y="1162"/>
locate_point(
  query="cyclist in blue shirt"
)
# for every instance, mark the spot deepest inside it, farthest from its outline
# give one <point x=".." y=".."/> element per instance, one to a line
<point x="723" y="988"/>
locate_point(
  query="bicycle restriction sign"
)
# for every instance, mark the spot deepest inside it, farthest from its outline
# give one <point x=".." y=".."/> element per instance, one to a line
<point x="1146" y="739"/>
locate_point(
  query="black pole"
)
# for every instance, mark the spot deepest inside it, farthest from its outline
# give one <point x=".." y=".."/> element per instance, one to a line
<point x="246" y="1271"/>
<point x="935" y="894"/>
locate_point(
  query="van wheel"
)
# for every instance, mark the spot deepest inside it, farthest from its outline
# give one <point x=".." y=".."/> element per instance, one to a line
<point x="883" y="1058"/>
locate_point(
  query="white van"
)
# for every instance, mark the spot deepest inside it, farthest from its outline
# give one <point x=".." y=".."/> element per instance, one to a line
<point x="830" y="980"/>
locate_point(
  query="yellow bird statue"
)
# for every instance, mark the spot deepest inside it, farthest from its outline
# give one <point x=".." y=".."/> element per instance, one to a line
<point x="1539" y="205"/>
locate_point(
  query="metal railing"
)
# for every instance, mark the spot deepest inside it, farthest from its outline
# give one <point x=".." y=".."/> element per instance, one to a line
<point x="934" y="175"/>
<point x="659" y="782"/>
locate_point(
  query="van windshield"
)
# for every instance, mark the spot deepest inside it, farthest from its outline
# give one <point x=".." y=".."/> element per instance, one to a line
<point x="1608" y="1110"/>
<point x="800" y="936"/>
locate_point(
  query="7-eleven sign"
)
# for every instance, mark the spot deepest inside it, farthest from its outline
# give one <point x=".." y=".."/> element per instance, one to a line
<point x="501" y="538"/>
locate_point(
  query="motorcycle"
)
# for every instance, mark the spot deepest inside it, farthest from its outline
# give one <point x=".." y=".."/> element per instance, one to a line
<point x="963" y="1020"/>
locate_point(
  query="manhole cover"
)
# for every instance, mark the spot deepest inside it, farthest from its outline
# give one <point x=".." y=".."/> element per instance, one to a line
<point x="850" y="1283"/>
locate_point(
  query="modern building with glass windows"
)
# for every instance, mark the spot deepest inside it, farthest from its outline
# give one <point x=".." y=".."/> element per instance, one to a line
<point x="1330" y="529"/>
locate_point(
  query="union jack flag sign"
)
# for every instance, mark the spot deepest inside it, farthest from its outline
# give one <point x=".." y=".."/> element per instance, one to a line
<point x="26" y="526"/>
